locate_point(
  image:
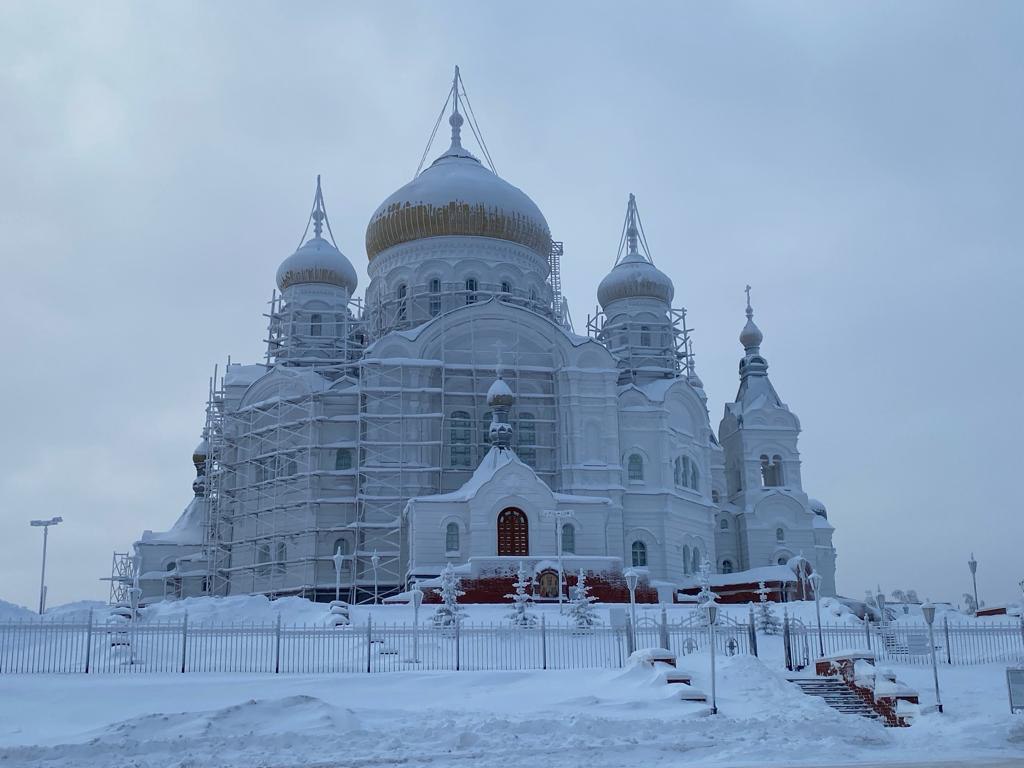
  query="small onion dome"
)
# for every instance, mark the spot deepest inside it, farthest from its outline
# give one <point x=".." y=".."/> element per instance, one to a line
<point x="634" y="277"/>
<point x="318" y="261"/>
<point x="457" y="195"/>
<point x="751" y="336"/>
<point x="818" y="507"/>
<point x="201" y="451"/>
<point x="500" y="394"/>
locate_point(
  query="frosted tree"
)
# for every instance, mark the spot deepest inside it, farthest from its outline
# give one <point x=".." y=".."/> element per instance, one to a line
<point x="706" y="595"/>
<point x="970" y="606"/>
<point x="581" y="608"/>
<point x="899" y="596"/>
<point x="521" y="600"/>
<point x="912" y="596"/>
<point x="766" y="620"/>
<point x="449" y="613"/>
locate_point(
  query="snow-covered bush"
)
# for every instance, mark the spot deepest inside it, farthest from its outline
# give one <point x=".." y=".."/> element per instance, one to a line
<point x="581" y="609"/>
<point x="766" y="620"/>
<point x="449" y="612"/>
<point x="522" y="601"/>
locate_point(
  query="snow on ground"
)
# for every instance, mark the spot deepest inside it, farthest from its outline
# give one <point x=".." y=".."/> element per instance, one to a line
<point x="579" y="718"/>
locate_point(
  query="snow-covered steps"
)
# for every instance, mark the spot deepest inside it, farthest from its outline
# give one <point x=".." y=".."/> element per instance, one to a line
<point x="678" y="676"/>
<point x="837" y="694"/>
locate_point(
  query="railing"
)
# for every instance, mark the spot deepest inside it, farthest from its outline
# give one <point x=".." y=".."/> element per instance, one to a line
<point x="955" y="644"/>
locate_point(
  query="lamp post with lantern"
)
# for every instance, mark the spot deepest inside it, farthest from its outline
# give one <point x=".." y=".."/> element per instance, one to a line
<point x="417" y="601"/>
<point x="973" y="565"/>
<point x="375" y="561"/>
<point x="339" y="561"/>
<point x="711" y="607"/>
<point x="928" y="609"/>
<point x="45" y="525"/>
<point x="816" y="579"/>
<point x="632" y="577"/>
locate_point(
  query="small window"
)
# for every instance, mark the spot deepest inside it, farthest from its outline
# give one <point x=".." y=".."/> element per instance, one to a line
<point x="262" y="559"/>
<point x="724" y="524"/>
<point x="316" y="325"/>
<point x="677" y="471"/>
<point x="645" y="336"/>
<point x="697" y="561"/>
<point x="451" y="537"/>
<point x="715" y="498"/>
<point x="568" y="538"/>
<point x="435" y="297"/>
<point x="639" y="552"/>
<point x="402" y="291"/>
<point x="280" y="557"/>
<point x="782" y="561"/>
<point x="780" y="534"/>
<point x="506" y="287"/>
<point x="771" y="471"/>
<point x="635" y="467"/>
<point x="686" y="558"/>
<point x="342" y="460"/>
<point x="471" y="290"/>
<point x="727" y="566"/>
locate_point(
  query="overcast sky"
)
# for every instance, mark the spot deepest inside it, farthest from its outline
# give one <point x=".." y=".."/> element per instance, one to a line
<point x="858" y="163"/>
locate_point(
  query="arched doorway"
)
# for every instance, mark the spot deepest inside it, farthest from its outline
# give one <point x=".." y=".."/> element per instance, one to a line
<point x="513" y="533"/>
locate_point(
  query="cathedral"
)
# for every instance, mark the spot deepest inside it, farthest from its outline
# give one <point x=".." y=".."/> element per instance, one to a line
<point x="453" y="415"/>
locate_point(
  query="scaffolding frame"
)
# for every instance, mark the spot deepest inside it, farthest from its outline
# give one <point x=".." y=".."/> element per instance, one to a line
<point x="669" y="353"/>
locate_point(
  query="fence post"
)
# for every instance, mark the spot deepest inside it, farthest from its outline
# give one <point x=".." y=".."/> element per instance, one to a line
<point x="752" y="630"/>
<point x="1022" y="631"/>
<point x="629" y="636"/>
<point x="369" y="643"/>
<point x="867" y="629"/>
<point x="184" y="641"/>
<point x="458" y="624"/>
<point x="786" y="642"/>
<point x="949" y="651"/>
<point x="88" y="643"/>
<point x="543" y="642"/>
<point x="277" y="646"/>
<point x="663" y="630"/>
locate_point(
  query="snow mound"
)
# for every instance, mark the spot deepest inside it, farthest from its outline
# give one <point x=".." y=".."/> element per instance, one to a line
<point x="305" y="715"/>
<point x="12" y="612"/>
<point x="248" y="609"/>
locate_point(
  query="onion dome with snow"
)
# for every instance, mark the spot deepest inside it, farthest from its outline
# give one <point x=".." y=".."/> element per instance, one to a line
<point x="458" y="195"/>
<point x="318" y="260"/>
<point x="634" y="276"/>
<point x="500" y="393"/>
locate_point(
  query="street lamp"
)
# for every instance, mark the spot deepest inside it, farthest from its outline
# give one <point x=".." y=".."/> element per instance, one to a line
<point x="417" y="601"/>
<point x="712" y="610"/>
<point x="973" y="565"/>
<point x="339" y="561"/>
<point x="928" y="609"/>
<point x="45" y="525"/>
<point x="880" y="599"/>
<point x="816" y="579"/>
<point x="558" y="515"/>
<point x="375" y="561"/>
<point x="631" y="579"/>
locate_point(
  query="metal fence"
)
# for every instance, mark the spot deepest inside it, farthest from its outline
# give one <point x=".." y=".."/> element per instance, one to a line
<point x="955" y="644"/>
<point x="35" y="646"/>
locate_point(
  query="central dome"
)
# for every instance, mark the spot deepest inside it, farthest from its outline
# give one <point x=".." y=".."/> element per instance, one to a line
<point x="457" y="195"/>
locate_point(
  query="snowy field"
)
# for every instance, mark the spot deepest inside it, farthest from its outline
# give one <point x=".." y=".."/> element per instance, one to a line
<point x="591" y="718"/>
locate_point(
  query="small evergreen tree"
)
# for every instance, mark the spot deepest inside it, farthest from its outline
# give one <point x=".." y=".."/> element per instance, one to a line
<point x="449" y="613"/>
<point x="581" y="608"/>
<point x="522" y="601"/>
<point x="766" y="620"/>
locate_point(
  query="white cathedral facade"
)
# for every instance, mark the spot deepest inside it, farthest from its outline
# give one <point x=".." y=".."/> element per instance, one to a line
<point x="453" y="416"/>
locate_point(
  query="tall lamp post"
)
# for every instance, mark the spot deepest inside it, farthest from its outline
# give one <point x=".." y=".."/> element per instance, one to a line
<point x="880" y="600"/>
<point x="816" y="579"/>
<point x="631" y="579"/>
<point x="417" y="601"/>
<point x="558" y="515"/>
<point x="712" y="610"/>
<point x="45" y="525"/>
<point x="973" y="565"/>
<point x="375" y="561"/>
<point x="928" y="609"/>
<point x="339" y="561"/>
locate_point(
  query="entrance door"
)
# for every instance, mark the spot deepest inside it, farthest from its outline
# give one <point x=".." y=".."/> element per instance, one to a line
<point x="513" y="533"/>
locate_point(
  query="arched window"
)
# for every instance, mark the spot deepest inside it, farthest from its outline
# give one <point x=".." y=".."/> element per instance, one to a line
<point x="471" y="290"/>
<point x="686" y="558"/>
<point x="280" y="557"/>
<point x="724" y="524"/>
<point x="677" y="471"/>
<point x="513" y="533"/>
<point x="639" y="554"/>
<point x="262" y="559"/>
<point x="771" y="471"/>
<point x="727" y="566"/>
<point x="715" y="498"/>
<point x="568" y="538"/>
<point x="316" y="324"/>
<point x="533" y="296"/>
<point x="485" y="427"/>
<point x="635" y="468"/>
<point x="435" y="297"/>
<point x="697" y="561"/>
<point x="782" y="561"/>
<point x="780" y="478"/>
<point x="460" y="439"/>
<point x="645" y="336"/>
<point x="402" y="291"/>
<point x="506" y="287"/>
<point x="526" y="428"/>
<point x="451" y="537"/>
<point x="693" y="475"/>
<point x="780" y="534"/>
<point x="342" y="459"/>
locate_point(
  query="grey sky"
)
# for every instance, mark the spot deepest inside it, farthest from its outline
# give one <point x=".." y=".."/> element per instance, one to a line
<point x="858" y="163"/>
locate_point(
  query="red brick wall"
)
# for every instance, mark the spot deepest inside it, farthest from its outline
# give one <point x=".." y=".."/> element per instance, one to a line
<point x="492" y="588"/>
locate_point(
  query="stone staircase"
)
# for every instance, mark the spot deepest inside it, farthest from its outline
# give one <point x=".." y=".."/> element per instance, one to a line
<point x="837" y="694"/>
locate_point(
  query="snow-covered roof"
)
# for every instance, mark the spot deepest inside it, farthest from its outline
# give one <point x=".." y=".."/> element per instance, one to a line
<point x="237" y="374"/>
<point x="752" y="576"/>
<point x="187" y="530"/>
